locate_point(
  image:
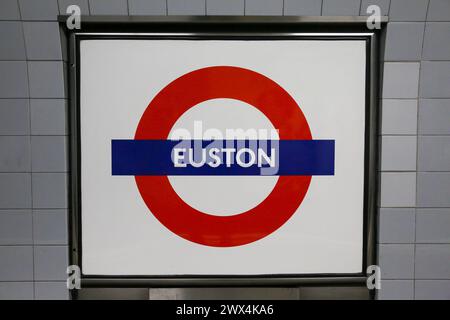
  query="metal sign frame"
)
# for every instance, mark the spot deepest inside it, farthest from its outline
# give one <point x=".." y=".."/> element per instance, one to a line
<point x="223" y="28"/>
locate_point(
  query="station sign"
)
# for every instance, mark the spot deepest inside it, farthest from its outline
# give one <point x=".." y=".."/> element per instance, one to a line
<point x="222" y="157"/>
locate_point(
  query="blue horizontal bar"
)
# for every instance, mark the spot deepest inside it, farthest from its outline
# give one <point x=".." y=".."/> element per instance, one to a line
<point x="291" y="157"/>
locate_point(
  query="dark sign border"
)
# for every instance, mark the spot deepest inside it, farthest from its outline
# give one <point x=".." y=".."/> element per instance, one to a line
<point x="227" y="28"/>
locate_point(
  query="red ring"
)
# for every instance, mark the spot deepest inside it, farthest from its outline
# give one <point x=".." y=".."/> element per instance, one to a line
<point x="212" y="83"/>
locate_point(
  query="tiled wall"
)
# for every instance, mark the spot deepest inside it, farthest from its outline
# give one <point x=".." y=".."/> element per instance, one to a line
<point x="414" y="231"/>
<point x="33" y="189"/>
<point x="414" y="227"/>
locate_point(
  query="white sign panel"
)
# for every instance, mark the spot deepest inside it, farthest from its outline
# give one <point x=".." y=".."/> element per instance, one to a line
<point x="222" y="157"/>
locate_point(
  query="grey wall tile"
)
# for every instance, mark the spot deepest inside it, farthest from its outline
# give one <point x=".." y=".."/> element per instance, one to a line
<point x="51" y="291"/>
<point x="302" y="7"/>
<point x="49" y="190"/>
<point x="401" y="80"/>
<point x="434" y="116"/>
<point x="439" y="10"/>
<point x="15" y="154"/>
<point x="433" y="210"/>
<point x="46" y="79"/>
<point x="399" y="116"/>
<point x="398" y="153"/>
<point x="50" y="262"/>
<point x="383" y="4"/>
<point x="49" y="153"/>
<point x="186" y="7"/>
<point x="13" y="79"/>
<point x="14" y="117"/>
<point x="108" y="7"/>
<point x="437" y="44"/>
<point x="398" y="189"/>
<point x="341" y="7"/>
<point x="404" y="41"/>
<point x="408" y="10"/>
<point x="15" y="190"/>
<point x="434" y="153"/>
<point x="397" y="225"/>
<point x="221" y="8"/>
<point x="145" y="7"/>
<point x="396" y="290"/>
<point x="48" y="116"/>
<point x="39" y="10"/>
<point x="11" y="38"/>
<point x="435" y="79"/>
<point x="17" y="263"/>
<point x="432" y="289"/>
<point x="263" y="7"/>
<point x="16" y="227"/>
<point x="433" y="189"/>
<point x="433" y="225"/>
<point x="50" y="227"/>
<point x="396" y="261"/>
<point x="9" y="10"/>
<point x="16" y="291"/>
<point x="40" y="47"/>
<point x="433" y="261"/>
<point x="83" y="4"/>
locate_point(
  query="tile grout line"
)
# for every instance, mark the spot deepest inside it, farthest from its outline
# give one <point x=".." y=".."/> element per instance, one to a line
<point x="381" y="98"/>
<point x="30" y="148"/>
<point x="66" y="245"/>
<point x="408" y="243"/>
<point x="417" y="151"/>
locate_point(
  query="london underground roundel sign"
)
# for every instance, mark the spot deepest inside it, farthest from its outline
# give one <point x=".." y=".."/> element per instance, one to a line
<point x="204" y="156"/>
<point x="152" y="156"/>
